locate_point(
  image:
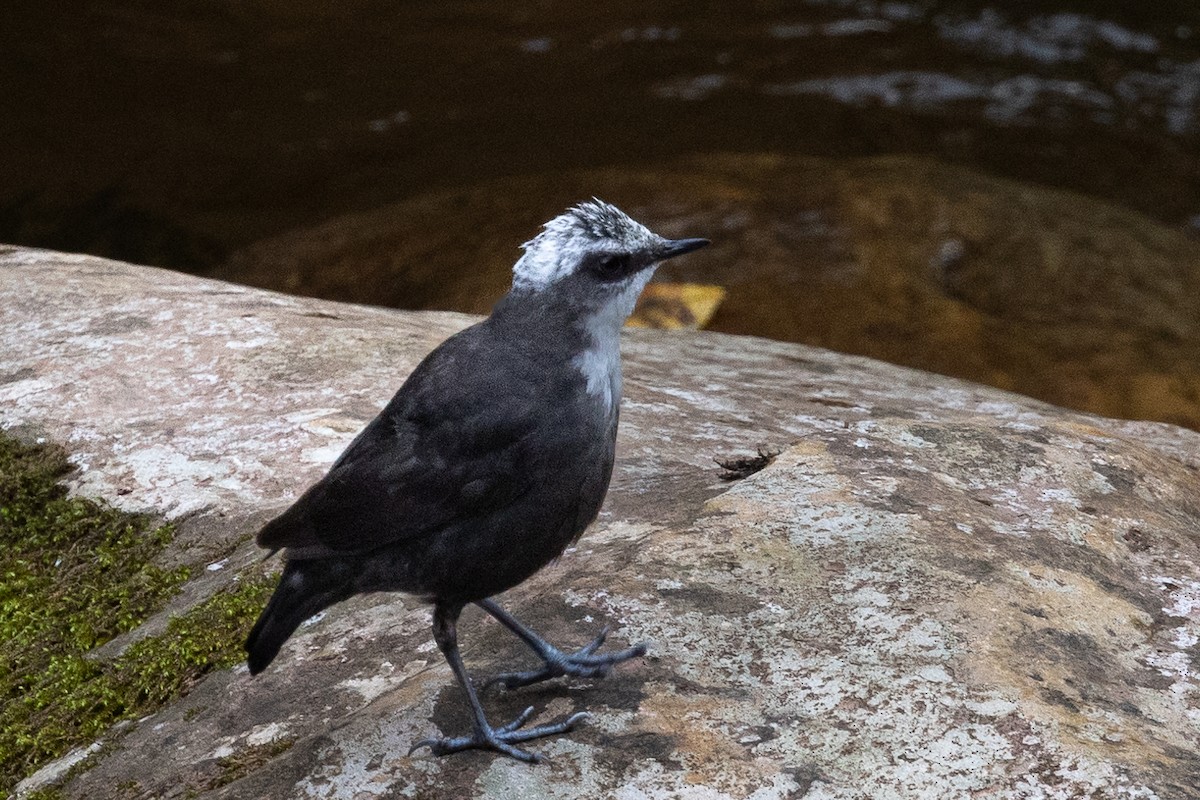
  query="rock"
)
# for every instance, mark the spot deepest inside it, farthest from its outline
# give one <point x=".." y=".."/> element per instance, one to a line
<point x="1050" y="293"/>
<point x="936" y="589"/>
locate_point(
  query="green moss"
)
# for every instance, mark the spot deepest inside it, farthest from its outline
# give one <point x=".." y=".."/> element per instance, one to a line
<point x="243" y="763"/>
<point x="74" y="574"/>
<point x="207" y="638"/>
<point x="47" y="793"/>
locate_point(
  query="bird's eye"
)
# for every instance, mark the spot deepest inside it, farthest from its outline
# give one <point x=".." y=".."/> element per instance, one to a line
<point x="613" y="266"/>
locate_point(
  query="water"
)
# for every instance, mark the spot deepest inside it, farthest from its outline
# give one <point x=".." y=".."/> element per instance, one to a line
<point x="175" y="133"/>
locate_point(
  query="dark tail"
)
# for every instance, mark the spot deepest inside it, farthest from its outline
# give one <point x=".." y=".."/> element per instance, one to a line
<point x="305" y="588"/>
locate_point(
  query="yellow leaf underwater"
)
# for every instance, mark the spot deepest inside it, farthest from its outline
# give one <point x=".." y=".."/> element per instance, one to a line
<point x="676" y="305"/>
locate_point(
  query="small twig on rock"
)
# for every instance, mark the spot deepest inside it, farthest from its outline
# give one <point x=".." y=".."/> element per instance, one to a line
<point x="738" y="468"/>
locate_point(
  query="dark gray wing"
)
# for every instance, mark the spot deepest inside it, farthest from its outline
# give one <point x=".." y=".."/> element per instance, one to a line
<point x="453" y="444"/>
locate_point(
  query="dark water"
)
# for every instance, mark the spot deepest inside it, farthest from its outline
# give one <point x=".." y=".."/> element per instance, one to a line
<point x="175" y="132"/>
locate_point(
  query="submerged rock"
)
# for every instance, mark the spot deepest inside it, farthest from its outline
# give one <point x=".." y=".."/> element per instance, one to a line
<point x="1045" y="292"/>
<point x="935" y="589"/>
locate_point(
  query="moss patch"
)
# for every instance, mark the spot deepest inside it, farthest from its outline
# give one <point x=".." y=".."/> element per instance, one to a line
<point x="49" y="793"/>
<point x="241" y="764"/>
<point x="74" y="574"/>
<point x="208" y="637"/>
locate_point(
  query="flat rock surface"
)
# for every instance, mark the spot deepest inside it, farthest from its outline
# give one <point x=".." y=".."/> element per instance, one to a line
<point x="936" y="590"/>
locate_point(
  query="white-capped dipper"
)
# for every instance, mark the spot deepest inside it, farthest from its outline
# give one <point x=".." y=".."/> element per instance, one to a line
<point x="495" y="454"/>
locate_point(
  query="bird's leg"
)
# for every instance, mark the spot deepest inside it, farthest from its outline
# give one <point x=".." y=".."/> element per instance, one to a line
<point x="484" y="736"/>
<point x="581" y="664"/>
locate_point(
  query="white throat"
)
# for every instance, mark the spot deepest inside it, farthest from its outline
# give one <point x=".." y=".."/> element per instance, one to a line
<point x="600" y="363"/>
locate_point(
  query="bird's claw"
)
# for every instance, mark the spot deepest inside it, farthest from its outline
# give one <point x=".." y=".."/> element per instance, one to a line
<point x="501" y="739"/>
<point x="518" y="722"/>
<point x="580" y="664"/>
<point x="594" y="644"/>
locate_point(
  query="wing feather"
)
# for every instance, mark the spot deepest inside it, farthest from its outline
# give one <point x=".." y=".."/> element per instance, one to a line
<point x="449" y="447"/>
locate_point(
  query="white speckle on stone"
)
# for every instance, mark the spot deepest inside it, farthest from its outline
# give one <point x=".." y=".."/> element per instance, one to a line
<point x="22" y="389"/>
<point x="385" y="680"/>
<point x="308" y="414"/>
<point x="992" y="707"/>
<point x="249" y="344"/>
<point x="161" y="472"/>
<point x="224" y="749"/>
<point x="1174" y="665"/>
<point x="265" y="734"/>
<point x="1055" y="495"/>
<point x="934" y="673"/>
<point x="327" y="454"/>
<point x="53" y="771"/>
<point x="335" y="425"/>
<point x="1185" y="638"/>
<point x="1185" y="599"/>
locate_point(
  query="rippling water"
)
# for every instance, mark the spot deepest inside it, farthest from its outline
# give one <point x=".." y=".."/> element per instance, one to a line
<point x="175" y="132"/>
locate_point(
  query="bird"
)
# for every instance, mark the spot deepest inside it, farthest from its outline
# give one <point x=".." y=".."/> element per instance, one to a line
<point x="490" y="460"/>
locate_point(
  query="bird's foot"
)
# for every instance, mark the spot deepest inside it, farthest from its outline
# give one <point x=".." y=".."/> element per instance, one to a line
<point x="502" y="739"/>
<point x="583" y="663"/>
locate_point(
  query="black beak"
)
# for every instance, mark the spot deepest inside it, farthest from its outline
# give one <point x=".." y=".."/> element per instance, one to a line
<point x="677" y="247"/>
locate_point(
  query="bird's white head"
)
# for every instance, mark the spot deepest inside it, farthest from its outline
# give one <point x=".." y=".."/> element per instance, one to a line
<point x="607" y="256"/>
